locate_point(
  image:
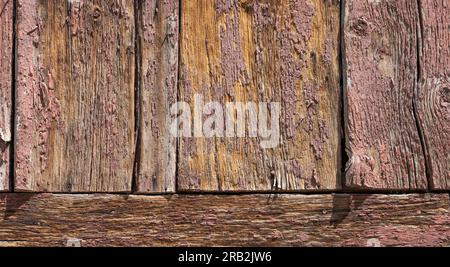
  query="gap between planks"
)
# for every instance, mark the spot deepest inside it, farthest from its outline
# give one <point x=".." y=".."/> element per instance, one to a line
<point x="12" y="162"/>
<point x="369" y="193"/>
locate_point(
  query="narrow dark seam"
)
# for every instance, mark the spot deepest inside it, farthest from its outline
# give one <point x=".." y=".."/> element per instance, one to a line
<point x="337" y="215"/>
<point x="68" y="185"/>
<point x="137" y="90"/>
<point x="420" y="130"/>
<point x="349" y="191"/>
<point x="178" y="140"/>
<point x="343" y="98"/>
<point x="12" y="151"/>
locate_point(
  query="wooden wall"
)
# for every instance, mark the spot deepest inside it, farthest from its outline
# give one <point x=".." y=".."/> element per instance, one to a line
<point x="87" y="90"/>
<point x="94" y="82"/>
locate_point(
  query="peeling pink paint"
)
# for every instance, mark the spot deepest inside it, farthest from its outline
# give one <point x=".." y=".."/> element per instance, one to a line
<point x="68" y="107"/>
<point x="28" y="30"/>
<point x="383" y="141"/>
<point x="232" y="61"/>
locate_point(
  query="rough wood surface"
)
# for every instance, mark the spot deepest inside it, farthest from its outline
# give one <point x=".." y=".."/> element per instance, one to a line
<point x="208" y="220"/>
<point x="6" y="42"/>
<point x="433" y="95"/>
<point x="262" y="51"/>
<point x="158" y="27"/>
<point x="75" y="96"/>
<point x="383" y="139"/>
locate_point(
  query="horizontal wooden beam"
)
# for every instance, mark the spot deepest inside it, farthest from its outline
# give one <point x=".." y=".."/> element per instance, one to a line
<point x="225" y="220"/>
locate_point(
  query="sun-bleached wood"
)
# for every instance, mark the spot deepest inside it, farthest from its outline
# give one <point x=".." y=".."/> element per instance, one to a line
<point x="157" y="27"/>
<point x="263" y="51"/>
<point x="75" y="96"/>
<point x="6" y="43"/>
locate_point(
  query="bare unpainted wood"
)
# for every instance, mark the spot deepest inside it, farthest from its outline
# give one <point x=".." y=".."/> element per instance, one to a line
<point x="6" y="42"/>
<point x="225" y="220"/>
<point x="158" y="27"/>
<point x="383" y="139"/>
<point x="75" y="96"/>
<point x="433" y="93"/>
<point x="261" y="52"/>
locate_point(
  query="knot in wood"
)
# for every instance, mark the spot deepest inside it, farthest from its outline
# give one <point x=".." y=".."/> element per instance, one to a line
<point x="360" y="27"/>
<point x="96" y="13"/>
<point x="445" y="95"/>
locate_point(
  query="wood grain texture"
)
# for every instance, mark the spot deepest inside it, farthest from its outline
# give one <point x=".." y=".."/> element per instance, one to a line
<point x="6" y="43"/>
<point x="158" y="26"/>
<point x="208" y="220"/>
<point x="262" y="51"/>
<point x="433" y="93"/>
<point x="381" y="71"/>
<point x="75" y="96"/>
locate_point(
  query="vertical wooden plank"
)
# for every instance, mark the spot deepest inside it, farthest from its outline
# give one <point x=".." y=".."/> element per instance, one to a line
<point x="6" y="42"/>
<point x="158" y="27"/>
<point x="75" y="96"/>
<point x="265" y="51"/>
<point x="434" y="89"/>
<point x="381" y="75"/>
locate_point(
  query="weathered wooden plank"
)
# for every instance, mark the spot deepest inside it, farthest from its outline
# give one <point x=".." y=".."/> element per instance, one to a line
<point x="6" y="42"/>
<point x="158" y="41"/>
<point x="261" y="52"/>
<point x="75" y="96"/>
<point x="381" y="75"/>
<point x="433" y="93"/>
<point x="225" y="220"/>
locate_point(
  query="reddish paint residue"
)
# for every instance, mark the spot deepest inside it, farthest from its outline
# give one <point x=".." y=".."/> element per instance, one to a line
<point x="318" y="144"/>
<point x="383" y="141"/>
<point x="76" y="16"/>
<point x="26" y="110"/>
<point x="38" y="106"/>
<point x="231" y="61"/>
<point x="293" y="35"/>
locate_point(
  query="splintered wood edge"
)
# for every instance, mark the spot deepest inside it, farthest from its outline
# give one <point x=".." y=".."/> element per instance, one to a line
<point x="224" y="220"/>
<point x="6" y="43"/>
